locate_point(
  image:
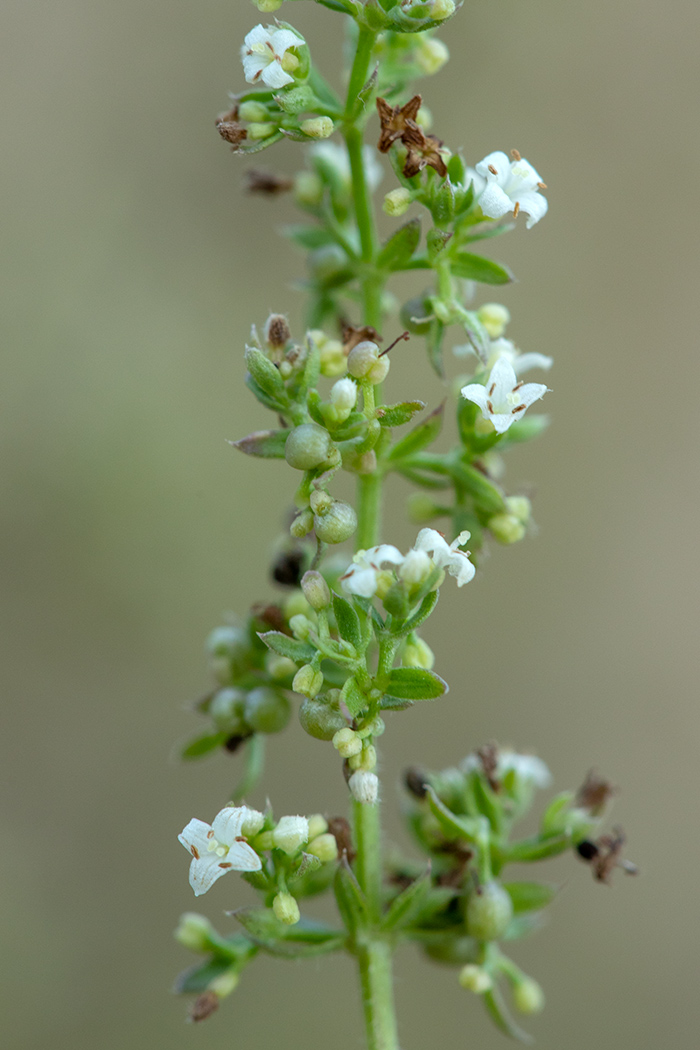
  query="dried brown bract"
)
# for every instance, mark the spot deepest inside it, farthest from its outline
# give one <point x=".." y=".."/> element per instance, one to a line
<point x="340" y="830"/>
<point x="232" y="132"/>
<point x="488" y="756"/>
<point x="204" y="1006"/>
<point x="594" y="793"/>
<point x="423" y="151"/>
<point x="267" y="183"/>
<point x="394" y="120"/>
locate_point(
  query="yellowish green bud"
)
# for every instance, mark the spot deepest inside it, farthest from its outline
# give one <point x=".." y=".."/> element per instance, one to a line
<point x="489" y="911"/>
<point x="307" y="681"/>
<point x="442" y="9"/>
<point x="266" y="711"/>
<point x="294" y="603"/>
<point x="300" y="627"/>
<point x="475" y="979"/>
<point x="365" y="759"/>
<point x="495" y="318"/>
<point x="347" y="742"/>
<point x="506" y="528"/>
<point x="193" y="932"/>
<point x="431" y="55"/>
<point x="318" y="127"/>
<point x="224" y="983"/>
<point x="279" y="667"/>
<point x="337" y="524"/>
<point x="290" y="62"/>
<point x="528" y="996"/>
<point x="316" y="590"/>
<point x="302" y="524"/>
<point x="333" y="361"/>
<point x="265" y="840"/>
<point x="308" y="189"/>
<point x="260" y="131"/>
<point x="320" y="501"/>
<point x="291" y="834"/>
<point x="266" y="6"/>
<point x="286" y="909"/>
<point x="324" y="847"/>
<point x="418" y="654"/>
<point x="254" y="111"/>
<point x="520" y="507"/>
<point x="362" y="358"/>
<point x="318" y="825"/>
<point x="422" y="508"/>
<point x="397" y="201"/>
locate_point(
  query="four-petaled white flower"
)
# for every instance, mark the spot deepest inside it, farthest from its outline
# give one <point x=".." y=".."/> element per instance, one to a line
<point x="221" y="846"/>
<point x="263" y="54"/>
<point x="361" y="577"/>
<point x="503" y="400"/>
<point x="446" y="555"/>
<point x="528" y="767"/>
<point x="507" y="349"/>
<point x="502" y="185"/>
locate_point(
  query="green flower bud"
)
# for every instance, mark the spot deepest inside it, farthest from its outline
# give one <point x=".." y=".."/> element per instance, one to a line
<point x="194" y="932"/>
<point x="379" y="371"/>
<point x="489" y="911"/>
<point x="225" y="983"/>
<point x="327" y="262"/>
<point x="431" y="55"/>
<point x="227" y="709"/>
<point x="286" y="909"/>
<point x="260" y="131"/>
<point x="347" y="742"/>
<point x="417" y="653"/>
<point x="266" y="6"/>
<point x="290" y="834"/>
<point x="315" y="590"/>
<point x="337" y="524"/>
<point x="441" y="9"/>
<point x="302" y="524"/>
<point x="227" y="641"/>
<point x="365" y="759"/>
<point x="320" y="502"/>
<point x="397" y="202"/>
<point x="294" y="603"/>
<point x="475" y="979"/>
<point x="494" y="318"/>
<point x="422" y="508"/>
<point x="324" y="847"/>
<point x="321" y="720"/>
<point x="520" y="507"/>
<point x="506" y="528"/>
<point x="279" y="667"/>
<point x="307" y="681"/>
<point x="300" y="626"/>
<point x="308" y="446"/>
<point x="253" y="111"/>
<point x="318" y="825"/>
<point x="528" y="996"/>
<point x="362" y="358"/>
<point x="308" y="189"/>
<point x="265" y="840"/>
<point x="266" y="711"/>
<point x="318" y="127"/>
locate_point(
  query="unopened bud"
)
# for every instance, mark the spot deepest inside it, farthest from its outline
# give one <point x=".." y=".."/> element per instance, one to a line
<point x="286" y="909"/>
<point x="318" y="127"/>
<point x="320" y="501"/>
<point x="347" y="742"/>
<point x="226" y="708"/>
<point x="528" y="996"/>
<point x="418" y="653"/>
<point x="261" y="131"/>
<point x="324" y="847"/>
<point x="225" y="983"/>
<point x="506" y="528"/>
<point x="327" y="262"/>
<point x="194" y="932"/>
<point x="307" y="446"/>
<point x="364" y="787"/>
<point x="441" y="9"/>
<point x="362" y="358"/>
<point x="300" y="626"/>
<point x="316" y="590"/>
<point x="253" y="111"/>
<point x="277" y="331"/>
<point x="337" y="524"/>
<point x="333" y="361"/>
<point x="266" y="711"/>
<point x="520" y="507"/>
<point x="308" y="681"/>
<point x="318" y="825"/>
<point x="266" y="6"/>
<point x="379" y="371"/>
<point x="475" y="979"/>
<point x="489" y="911"/>
<point x="343" y="398"/>
<point x="495" y="318"/>
<point x="431" y="55"/>
<point x="397" y="201"/>
<point x="227" y="641"/>
<point x="422" y="508"/>
<point x="290" y="834"/>
<point x="279" y="667"/>
<point x="302" y="524"/>
<point x="365" y="759"/>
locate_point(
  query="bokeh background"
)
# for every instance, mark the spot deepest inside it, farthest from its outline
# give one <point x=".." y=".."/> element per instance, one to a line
<point x="132" y="268"/>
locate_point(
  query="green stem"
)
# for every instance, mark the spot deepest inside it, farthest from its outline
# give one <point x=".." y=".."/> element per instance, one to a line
<point x="377" y="995"/>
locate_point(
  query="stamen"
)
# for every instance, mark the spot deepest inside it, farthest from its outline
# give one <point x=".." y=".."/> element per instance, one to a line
<point x="490" y="408"/>
<point x="515" y="154"/>
<point x="491" y="390"/>
<point x="195" y="852"/>
<point x="226" y="865"/>
<point x="494" y="171"/>
<point x="542" y="185"/>
<point x="518" y="385"/>
<point x="520" y="408"/>
<point x="516" y="209"/>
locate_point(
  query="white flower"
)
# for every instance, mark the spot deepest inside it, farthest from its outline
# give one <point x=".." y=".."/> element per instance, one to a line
<point x="364" y="787"/>
<point x="221" y="846"/>
<point x="336" y="156"/>
<point x="290" y="834"/>
<point x="503" y="399"/>
<point x="263" y="55"/>
<point x="502" y="185"/>
<point x="507" y="349"/>
<point x="447" y="555"/>
<point x="361" y="577"/>
<point x="528" y="767"/>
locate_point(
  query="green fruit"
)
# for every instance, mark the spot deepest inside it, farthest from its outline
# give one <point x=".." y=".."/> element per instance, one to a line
<point x="337" y="524"/>
<point x="308" y="446"/>
<point x="489" y="911"/>
<point x="266" y="711"/>
<point x="320" y="720"/>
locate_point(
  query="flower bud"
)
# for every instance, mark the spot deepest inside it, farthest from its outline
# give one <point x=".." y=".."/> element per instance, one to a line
<point x="320" y="501"/>
<point x="361" y="358"/>
<point x="266" y="711"/>
<point x="225" y="983"/>
<point x="290" y="834"/>
<point x="365" y="759"/>
<point x="253" y="111"/>
<point x="416" y="568"/>
<point x="320" y="720"/>
<point x="324" y="847"/>
<point x="308" y="446"/>
<point x="266" y="6"/>
<point x="315" y="590"/>
<point x="327" y="262"/>
<point x="260" y="131"/>
<point x="252" y="823"/>
<point x="397" y="202"/>
<point x="318" y="825"/>
<point x="506" y="528"/>
<point x="343" y="398"/>
<point x="307" y="681"/>
<point x="441" y="9"/>
<point x="528" y="996"/>
<point x="489" y="911"/>
<point x="286" y="909"/>
<point x="347" y="742"/>
<point x="277" y="331"/>
<point x="494" y="318"/>
<point x="379" y="371"/>
<point x="318" y="127"/>
<point x="418" y="653"/>
<point x="279" y="667"/>
<point x="194" y="932"/>
<point x="302" y="524"/>
<point x="227" y="641"/>
<point x="520" y="507"/>
<point x="300" y="626"/>
<point x="308" y="189"/>
<point x="431" y="55"/>
<point x="423" y="508"/>
<point x="475" y="979"/>
<point x="227" y="707"/>
<point x="364" y="787"/>
<point x="336" y="524"/>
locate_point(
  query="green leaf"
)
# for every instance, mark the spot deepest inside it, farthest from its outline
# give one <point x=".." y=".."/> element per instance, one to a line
<point x="303" y="940"/>
<point x="433" y="344"/>
<point x="476" y="334"/>
<point x="292" y="648"/>
<point x="421" y="435"/>
<point x="198" y="978"/>
<point x="268" y="444"/>
<point x="263" y="398"/>
<point x="443" y="203"/>
<point x="496" y="1007"/>
<point x="476" y="268"/>
<point x="404" y="908"/>
<point x="351" y="901"/>
<point x="552" y="817"/>
<point x="392" y="703"/>
<point x="530" y="896"/>
<point x="348" y="622"/>
<point x="353" y="697"/>
<point x="308" y="237"/>
<point x="456" y="169"/>
<point x="202" y="745"/>
<point x="536" y="848"/>
<point x="420" y="616"/>
<point x="399" y="248"/>
<point x="415" y="683"/>
<point x="523" y="925"/>
<point x="265" y="374"/>
<point x="469" y="828"/>
<point x="435" y="243"/>
<point x="487" y="495"/>
<point x="485" y="235"/>
<point x="397" y="415"/>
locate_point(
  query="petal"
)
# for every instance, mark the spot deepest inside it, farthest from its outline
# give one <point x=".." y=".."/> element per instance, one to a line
<point x="228" y="823"/>
<point x="257" y="35"/>
<point x="204" y="873"/>
<point x="502" y="421"/>
<point x="477" y="393"/>
<point x="283" y="39"/>
<point x="523" y="177"/>
<point x="460" y="567"/>
<point x="501" y="381"/>
<point x="535" y="206"/>
<point x="275" y="77"/>
<point x="434" y="543"/>
<point x="498" y="160"/>
<point x="360" y="581"/>
<point x="196" y="837"/>
<point x="529" y="393"/>
<point x="253" y="66"/>
<point x="494" y="202"/>
<point x="522" y="362"/>
<point x="385" y="552"/>
<point x="241" y="857"/>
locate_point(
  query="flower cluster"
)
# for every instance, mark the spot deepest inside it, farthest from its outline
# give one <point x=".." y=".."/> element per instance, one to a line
<point x="367" y="577"/>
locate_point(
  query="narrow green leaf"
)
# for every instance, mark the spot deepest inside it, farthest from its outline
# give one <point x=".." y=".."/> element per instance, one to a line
<point x="348" y="621"/>
<point x="433" y="344"/>
<point x="399" y="248"/>
<point x="420" y="616"/>
<point x="397" y="415"/>
<point x="265" y="374"/>
<point x="536" y="848"/>
<point x="469" y="828"/>
<point x="308" y="237"/>
<point x="351" y="901"/>
<point x="268" y="444"/>
<point x="530" y="896"/>
<point x="485" y="235"/>
<point x="263" y="398"/>
<point x="292" y="648"/>
<point x="198" y="978"/>
<point x="203" y="745"/>
<point x="552" y="817"/>
<point x="493" y="1000"/>
<point x="353" y="697"/>
<point x="423" y="434"/>
<point x="303" y="940"/>
<point x="476" y="268"/>
<point x="487" y="495"/>
<point x="415" y="683"/>
<point x="476" y="334"/>
<point x="404" y="908"/>
<point x="392" y="703"/>
<point x="443" y="203"/>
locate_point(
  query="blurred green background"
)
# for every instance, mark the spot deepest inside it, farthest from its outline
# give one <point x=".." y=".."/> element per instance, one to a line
<point x="132" y="270"/>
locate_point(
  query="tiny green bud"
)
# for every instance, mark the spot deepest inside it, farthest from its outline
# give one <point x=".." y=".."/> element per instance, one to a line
<point x="294" y="603"/>
<point x="418" y="653"/>
<point x="307" y="681"/>
<point x="260" y="131"/>
<point x="528" y="996"/>
<point x="431" y="55"/>
<point x="253" y="111"/>
<point x="291" y="834"/>
<point x="475" y="979"/>
<point x="194" y="931"/>
<point x="494" y="318"/>
<point x="321" y="720"/>
<point x="225" y="983"/>
<point x="308" y="189"/>
<point x="422" y="508"/>
<point x="318" y="127"/>
<point x="279" y="667"/>
<point x="226" y="641"/>
<point x="318" y="825"/>
<point x="347" y="742"/>
<point x="286" y="909"/>
<point x="343" y="398"/>
<point x="290" y="63"/>
<point x="489" y="911"/>
<point x="379" y="371"/>
<point x="362" y="358"/>
<point x="302" y="524"/>
<point x="397" y="201"/>
<point x="506" y="528"/>
<point x="300" y="626"/>
<point x="442" y="9"/>
<point x="365" y="759"/>
<point x="324" y="847"/>
<point x="266" y="6"/>
<point x="227" y="707"/>
<point x="336" y="524"/>
<point x="321" y="502"/>
<point x="266" y="711"/>
<point x="308" y="446"/>
<point x="520" y="507"/>
<point x="316" y="590"/>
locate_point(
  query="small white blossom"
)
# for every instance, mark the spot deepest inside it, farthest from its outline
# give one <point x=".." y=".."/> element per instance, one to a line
<point x="336" y="156"/>
<point x="503" y="399"/>
<point x="502" y="185"/>
<point x="364" y="787"/>
<point x="446" y="555"/>
<point x="221" y="847"/>
<point x="263" y="55"/>
<point x="528" y="767"/>
<point x="361" y="577"/>
<point x="290" y="834"/>
<point x="507" y="349"/>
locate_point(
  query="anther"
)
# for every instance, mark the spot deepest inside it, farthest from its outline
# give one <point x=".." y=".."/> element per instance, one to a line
<point x="491" y="389"/>
<point x="516" y="209"/>
<point x="490" y="407"/>
<point x="518" y="385"/>
<point x="515" y="154"/>
<point x="494" y="171"/>
<point x="542" y="185"/>
<point x="520" y="408"/>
